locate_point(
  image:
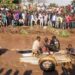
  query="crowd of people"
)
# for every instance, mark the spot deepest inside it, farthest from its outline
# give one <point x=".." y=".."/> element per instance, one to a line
<point x="42" y="18"/>
<point x="46" y="46"/>
<point x="49" y="46"/>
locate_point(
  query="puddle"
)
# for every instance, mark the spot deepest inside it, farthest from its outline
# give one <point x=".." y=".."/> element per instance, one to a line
<point x="28" y="58"/>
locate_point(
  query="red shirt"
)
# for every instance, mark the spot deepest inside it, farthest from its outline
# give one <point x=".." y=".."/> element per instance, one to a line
<point x="68" y="19"/>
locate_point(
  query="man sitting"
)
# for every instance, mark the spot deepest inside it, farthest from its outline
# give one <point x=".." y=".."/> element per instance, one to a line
<point x="36" y="49"/>
<point x="54" y="44"/>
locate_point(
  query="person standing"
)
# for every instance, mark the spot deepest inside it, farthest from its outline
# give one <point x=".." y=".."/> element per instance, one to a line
<point x="45" y="19"/>
<point x="4" y="19"/>
<point x="68" y="21"/>
<point x="41" y="19"/>
<point x="32" y="20"/>
<point x="54" y="20"/>
<point x="23" y="17"/>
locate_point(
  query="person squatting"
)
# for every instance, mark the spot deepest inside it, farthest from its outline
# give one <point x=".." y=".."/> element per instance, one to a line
<point x="49" y="46"/>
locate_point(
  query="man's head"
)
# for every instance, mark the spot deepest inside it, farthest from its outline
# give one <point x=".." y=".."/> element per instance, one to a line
<point x="69" y="45"/>
<point x="46" y="39"/>
<point x="54" y="37"/>
<point x="38" y="38"/>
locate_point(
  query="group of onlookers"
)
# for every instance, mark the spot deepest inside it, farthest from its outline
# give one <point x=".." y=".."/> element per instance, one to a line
<point x="46" y="46"/>
<point x="42" y="18"/>
<point x="50" y="46"/>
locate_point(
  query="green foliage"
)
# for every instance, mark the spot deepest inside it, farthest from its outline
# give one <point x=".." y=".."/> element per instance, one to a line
<point x="64" y="33"/>
<point x="53" y="5"/>
<point x="16" y="1"/>
<point x="23" y="31"/>
<point x="7" y="1"/>
<point x="8" y="4"/>
<point x="0" y="1"/>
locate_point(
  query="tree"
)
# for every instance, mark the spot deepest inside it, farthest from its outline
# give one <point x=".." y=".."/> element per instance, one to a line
<point x="7" y="1"/>
<point x="0" y="1"/>
<point x="53" y="5"/>
<point x="16" y="1"/>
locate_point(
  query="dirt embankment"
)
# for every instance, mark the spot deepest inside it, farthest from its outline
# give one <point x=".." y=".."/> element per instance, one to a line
<point x="19" y="41"/>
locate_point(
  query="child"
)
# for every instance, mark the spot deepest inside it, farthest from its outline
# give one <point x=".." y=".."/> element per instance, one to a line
<point x="71" y="50"/>
<point x="45" y="47"/>
<point x="36" y="46"/>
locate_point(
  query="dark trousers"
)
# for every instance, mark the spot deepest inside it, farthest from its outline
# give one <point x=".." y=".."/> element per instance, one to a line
<point x="53" y="24"/>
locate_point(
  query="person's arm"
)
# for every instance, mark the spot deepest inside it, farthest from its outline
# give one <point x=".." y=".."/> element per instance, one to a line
<point x="58" y="44"/>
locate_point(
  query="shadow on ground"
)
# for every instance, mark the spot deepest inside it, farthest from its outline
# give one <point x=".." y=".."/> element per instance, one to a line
<point x="1" y="70"/>
<point x="3" y="50"/>
<point x="28" y="72"/>
<point x="26" y="51"/>
<point x="70" y="71"/>
<point x="16" y="72"/>
<point x="50" y="73"/>
<point x="8" y="72"/>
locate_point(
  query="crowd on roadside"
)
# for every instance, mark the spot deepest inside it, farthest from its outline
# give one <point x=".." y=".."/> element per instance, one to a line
<point x="42" y="18"/>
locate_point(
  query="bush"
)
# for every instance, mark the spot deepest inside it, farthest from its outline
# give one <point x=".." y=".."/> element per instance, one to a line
<point x="64" y="33"/>
<point x="23" y="31"/>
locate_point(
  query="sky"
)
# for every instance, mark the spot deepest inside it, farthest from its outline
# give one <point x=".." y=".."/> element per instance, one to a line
<point x="59" y="2"/>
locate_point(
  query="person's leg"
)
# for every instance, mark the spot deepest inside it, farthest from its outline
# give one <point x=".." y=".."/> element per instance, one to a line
<point x="31" y="23"/>
<point x="66" y="25"/>
<point x="45" y="23"/>
<point x="35" y="53"/>
<point x="50" y="23"/>
<point x="61" y="25"/>
<point x="13" y="22"/>
<point x="40" y="23"/>
<point x="6" y="22"/>
<point x="54" y="24"/>
<point x="70" y="26"/>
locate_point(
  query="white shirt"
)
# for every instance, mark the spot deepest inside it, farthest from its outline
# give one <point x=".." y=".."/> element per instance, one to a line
<point x="32" y="18"/>
<point x="36" y="45"/>
<point x="41" y="17"/>
<point x="45" y="17"/>
<point x="54" y="18"/>
<point x="23" y="15"/>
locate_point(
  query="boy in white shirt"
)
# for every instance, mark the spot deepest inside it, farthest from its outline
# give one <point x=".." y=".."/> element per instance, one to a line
<point x="41" y="20"/>
<point x="36" y="45"/>
<point x="45" y="19"/>
<point x="54" y="20"/>
<point x="32" y="19"/>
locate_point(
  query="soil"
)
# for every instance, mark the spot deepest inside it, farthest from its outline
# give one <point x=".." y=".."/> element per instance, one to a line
<point x="9" y="61"/>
